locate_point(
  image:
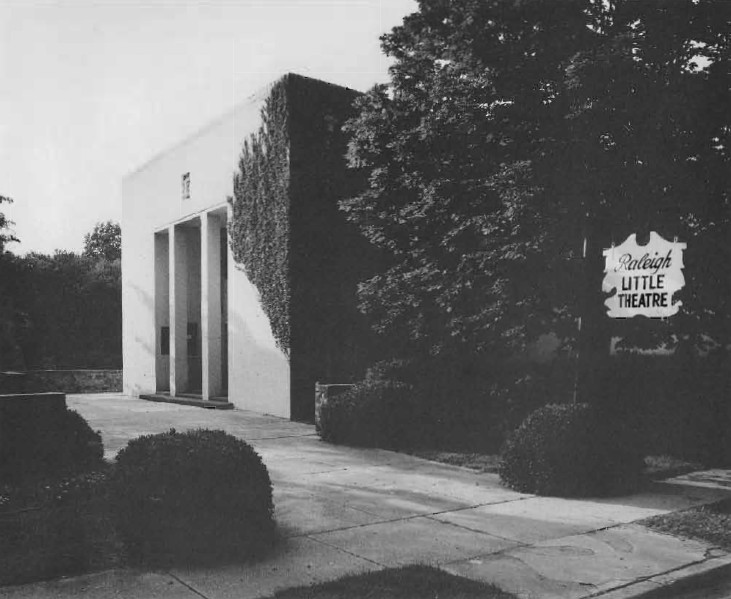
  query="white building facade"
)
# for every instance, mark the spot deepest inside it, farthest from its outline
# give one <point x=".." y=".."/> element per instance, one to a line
<point x="188" y="313"/>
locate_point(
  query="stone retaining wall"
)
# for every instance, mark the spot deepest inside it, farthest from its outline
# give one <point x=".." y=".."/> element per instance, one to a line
<point x="64" y="381"/>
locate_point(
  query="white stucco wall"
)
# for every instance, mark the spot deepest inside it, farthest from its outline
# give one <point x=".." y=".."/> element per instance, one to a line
<point x="258" y="372"/>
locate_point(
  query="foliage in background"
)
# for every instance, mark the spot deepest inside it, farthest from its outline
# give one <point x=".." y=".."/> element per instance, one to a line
<point x="191" y="497"/>
<point x="259" y="231"/>
<point x="6" y="234"/>
<point x="508" y="132"/>
<point x="61" y="311"/>
<point x="8" y="311"/>
<point x="105" y="241"/>
<point x="571" y="450"/>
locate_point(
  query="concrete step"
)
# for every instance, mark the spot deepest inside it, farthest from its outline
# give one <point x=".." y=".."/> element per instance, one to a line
<point x="190" y="399"/>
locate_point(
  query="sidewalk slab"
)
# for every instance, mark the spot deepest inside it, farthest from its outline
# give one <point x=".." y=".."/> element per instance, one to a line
<point x="583" y="565"/>
<point x="112" y="584"/>
<point x="517" y="528"/>
<point x="122" y="419"/>
<point x="298" y="562"/>
<point x="419" y="540"/>
<point x="298" y="511"/>
<point x="710" y="579"/>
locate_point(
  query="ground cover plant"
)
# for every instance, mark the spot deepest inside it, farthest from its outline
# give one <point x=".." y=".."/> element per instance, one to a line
<point x="656" y="467"/>
<point x="55" y="528"/>
<point x="709" y="523"/>
<point x="479" y="462"/>
<point x="191" y="497"/>
<point x="54" y="517"/>
<point x="410" y="582"/>
<point x="660" y="467"/>
<point x="63" y="310"/>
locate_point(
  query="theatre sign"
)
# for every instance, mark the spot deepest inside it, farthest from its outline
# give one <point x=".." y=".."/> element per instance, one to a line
<point x="645" y="277"/>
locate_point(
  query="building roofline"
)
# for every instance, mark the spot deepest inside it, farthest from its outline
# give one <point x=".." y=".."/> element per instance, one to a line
<point x="258" y="96"/>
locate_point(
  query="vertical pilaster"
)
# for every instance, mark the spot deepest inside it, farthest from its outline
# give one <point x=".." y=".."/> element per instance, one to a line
<point x="211" y="305"/>
<point x="178" y="311"/>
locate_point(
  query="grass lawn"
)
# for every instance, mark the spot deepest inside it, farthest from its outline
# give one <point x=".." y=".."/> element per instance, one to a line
<point x="709" y="523"/>
<point x="410" y="582"/>
<point x="480" y="462"/>
<point x="656" y="467"/>
<point x="663" y="466"/>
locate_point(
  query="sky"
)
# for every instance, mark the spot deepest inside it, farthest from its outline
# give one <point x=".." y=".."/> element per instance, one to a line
<point x="92" y="89"/>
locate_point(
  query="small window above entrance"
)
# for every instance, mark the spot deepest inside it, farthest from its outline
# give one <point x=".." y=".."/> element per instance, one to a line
<point x="185" y="184"/>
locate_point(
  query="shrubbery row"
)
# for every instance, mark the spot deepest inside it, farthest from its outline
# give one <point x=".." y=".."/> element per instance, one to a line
<point x="451" y="405"/>
<point x="642" y="406"/>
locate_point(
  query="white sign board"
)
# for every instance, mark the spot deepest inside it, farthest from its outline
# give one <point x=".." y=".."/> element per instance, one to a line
<point x="645" y="277"/>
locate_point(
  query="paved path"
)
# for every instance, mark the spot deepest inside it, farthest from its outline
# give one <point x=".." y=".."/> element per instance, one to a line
<point x="342" y="510"/>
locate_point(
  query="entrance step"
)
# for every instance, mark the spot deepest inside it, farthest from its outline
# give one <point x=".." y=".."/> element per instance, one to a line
<point x="190" y="399"/>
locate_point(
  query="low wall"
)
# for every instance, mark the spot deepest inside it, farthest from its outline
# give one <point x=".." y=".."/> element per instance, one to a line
<point x="64" y="381"/>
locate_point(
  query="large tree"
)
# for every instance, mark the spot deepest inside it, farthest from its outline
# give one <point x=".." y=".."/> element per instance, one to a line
<point x="513" y="130"/>
<point x="6" y="234"/>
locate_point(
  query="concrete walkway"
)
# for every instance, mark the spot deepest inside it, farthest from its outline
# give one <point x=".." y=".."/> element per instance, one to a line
<point x="343" y="510"/>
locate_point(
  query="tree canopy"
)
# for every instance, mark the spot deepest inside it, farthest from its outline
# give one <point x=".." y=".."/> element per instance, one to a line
<point x="6" y="235"/>
<point x="104" y="241"/>
<point x="62" y="310"/>
<point x="512" y="130"/>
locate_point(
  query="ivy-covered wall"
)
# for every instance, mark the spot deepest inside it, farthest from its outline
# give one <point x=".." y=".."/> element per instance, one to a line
<point x="295" y="245"/>
<point x="259" y="232"/>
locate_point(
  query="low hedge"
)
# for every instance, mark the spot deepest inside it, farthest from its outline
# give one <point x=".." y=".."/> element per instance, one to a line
<point x="571" y="450"/>
<point x="373" y="413"/>
<point x="62" y="447"/>
<point x="192" y="497"/>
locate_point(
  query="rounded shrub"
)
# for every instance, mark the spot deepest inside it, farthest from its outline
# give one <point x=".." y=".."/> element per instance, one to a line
<point x="373" y="413"/>
<point x="191" y="497"/>
<point x="571" y="450"/>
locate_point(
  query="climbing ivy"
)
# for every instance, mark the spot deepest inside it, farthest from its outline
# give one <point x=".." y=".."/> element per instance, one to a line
<point x="292" y="241"/>
<point x="259" y="231"/>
